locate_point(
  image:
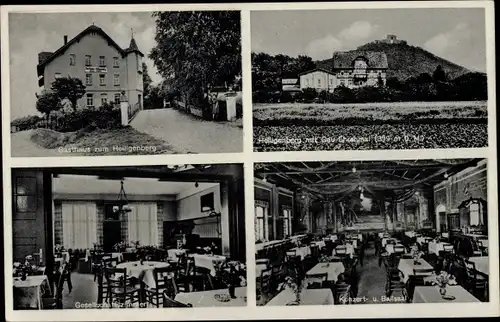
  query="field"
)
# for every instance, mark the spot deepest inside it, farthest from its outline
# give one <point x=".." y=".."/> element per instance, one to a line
<point x="408" y="125"/>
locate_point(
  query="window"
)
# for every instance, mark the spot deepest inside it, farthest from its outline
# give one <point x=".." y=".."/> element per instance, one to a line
<point x="25" y="194"/>
<point x="102" y="79"/>
<point x="143" y="224"/>
<point x="88" y="60"/>
<point x="79" y="225"/>
<point x="57" y="75"/>
<point x="116" y="79"/>
<point x="102" y="61"/>
<point x="90" y="100"/>
<point x="307" y="82"/>
<point x="287" y="221"/>
<point x="474" y="212"/>
<point x="261" y="209"/>
<point x="88" y="79"/>
<point x="104" y="98"/>
<point x="72" y="59"/>
<point x="319" y="81"/>
<point x="117" y="98"/>
<point x="116" y="62"/>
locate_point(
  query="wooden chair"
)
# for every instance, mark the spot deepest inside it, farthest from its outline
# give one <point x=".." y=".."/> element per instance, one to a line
<point x="316" y="281"/>
<point x="394" y="282"/>
<point x="169" y="302"/>
<point x="341" y="251"/>
<point x="342" y="293"/>
<point x="120" y="287"/>
<point x="184" y="273"/>
<point x="399" y="249"/>
<point x="154" y="294"/>
<point x="475" y="283"/>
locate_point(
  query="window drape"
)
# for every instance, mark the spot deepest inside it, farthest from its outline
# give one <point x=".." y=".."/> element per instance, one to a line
<point x="79" y="221"/>
<point x="143" y="224"/>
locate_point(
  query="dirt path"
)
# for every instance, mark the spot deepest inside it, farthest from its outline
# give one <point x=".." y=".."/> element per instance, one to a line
<point x="187" y="133"/>
<point x="22" y="146"/>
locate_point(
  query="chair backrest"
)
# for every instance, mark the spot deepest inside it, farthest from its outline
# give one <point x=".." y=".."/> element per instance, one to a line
<point x="316" y="280"/>
<point x="399" y="249"/>
<point x="470" y="269"/>
<point x="341" y="250"/>
<point x="265" y="280"/>
<point x="342" y="293"/>
<point x="314" y="250"/>
<point x="423" y="271"/>
<point x="116" y="277"/>
<point x="159" y="274"/>
<point x="448" y="248"/>
<point x="169" y="302"/>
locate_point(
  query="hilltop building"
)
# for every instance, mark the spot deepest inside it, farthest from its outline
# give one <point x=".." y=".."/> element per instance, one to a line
<point x="351" y="69"/>
<point x="105" y="68"/>
<point x="391" y="39"/>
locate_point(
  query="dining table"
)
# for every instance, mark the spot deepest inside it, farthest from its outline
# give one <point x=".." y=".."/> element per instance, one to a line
<point x="208" y="261"/>
<point x="301" y="251"/>
<point x="333" y="270"/>
<point x="143" y="271"/>
<point x="212" y="298"/>
<point x="430" y="294"/>
<point x="323" y="296"/>
<point x="389" y="248"/>
<point x="406" y="267"/>
<point x="436" y="247"/>
<point x="481" y="263"/>
<point x="28" y="293"/>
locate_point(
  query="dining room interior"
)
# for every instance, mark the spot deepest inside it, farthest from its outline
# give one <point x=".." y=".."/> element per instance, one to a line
<point x="128" y="236"/>
<point x="371" y="232"/>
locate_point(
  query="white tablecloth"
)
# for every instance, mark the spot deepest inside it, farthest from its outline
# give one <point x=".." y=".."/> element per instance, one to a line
<point x="319" y="243"/>
<point x="331" y="237"/>
<point x="411" y="234"/>
<point x="174" y="253"/>
<point x="322" y="296"/>
<point x="430" y="294"/>
<point x="353" y="242"/>
<point x="207" y="298"/>
<point x="301" y="251"/>
<point x="385" y="239"/>
<point x="349" y="249"/>
<point x="208" y="261"/>
<point x="422" y="239"/>
<point x="406" y="267"/>
<point x="390" y="248"/>
<point x="117" y="256"/>
<point x="333" y="270"/>
<point x="436" y="247"/>
<point x="481" y="263"/>
<point x="144" y="272"/>
<point x="29" y="292"/>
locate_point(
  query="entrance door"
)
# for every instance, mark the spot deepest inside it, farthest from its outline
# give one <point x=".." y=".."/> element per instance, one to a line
<point x="111" y="234"/>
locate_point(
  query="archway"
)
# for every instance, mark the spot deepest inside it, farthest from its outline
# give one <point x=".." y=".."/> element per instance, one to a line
<point x="441" y="218"/>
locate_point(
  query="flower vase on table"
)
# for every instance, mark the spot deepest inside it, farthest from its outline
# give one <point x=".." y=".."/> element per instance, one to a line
<point x="442" y="290"/>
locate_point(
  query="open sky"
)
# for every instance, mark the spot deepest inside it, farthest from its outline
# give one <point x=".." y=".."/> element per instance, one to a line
<point x="457" y="35"/>
<point x="31" y="33"/>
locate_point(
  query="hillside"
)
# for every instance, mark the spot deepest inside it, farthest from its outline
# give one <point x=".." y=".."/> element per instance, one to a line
<point x="406" y="61"/>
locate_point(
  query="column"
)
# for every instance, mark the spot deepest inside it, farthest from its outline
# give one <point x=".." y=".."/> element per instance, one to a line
<point x="304" y="211"/>
<point x="224" y="218"/>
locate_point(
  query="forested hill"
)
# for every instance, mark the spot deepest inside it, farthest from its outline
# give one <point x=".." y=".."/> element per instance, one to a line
<point x="407" y="61"/>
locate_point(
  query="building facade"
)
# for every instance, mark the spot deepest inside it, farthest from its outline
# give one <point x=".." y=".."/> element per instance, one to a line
<point x="359" y="68"/>
<point x="105" y="68"/>
<point x="320" y="79"/>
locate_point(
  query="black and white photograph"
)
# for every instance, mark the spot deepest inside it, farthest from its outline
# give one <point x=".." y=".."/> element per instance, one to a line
<point x="371" y="232"/>
<point x="128" y="237"/>
<point x="125" y="83"/>
<point x="410" y="78"/>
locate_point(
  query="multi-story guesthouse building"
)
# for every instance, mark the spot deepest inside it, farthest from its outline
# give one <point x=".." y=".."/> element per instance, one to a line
<point x="351" y="69"/>
<point x="105" y="68"/>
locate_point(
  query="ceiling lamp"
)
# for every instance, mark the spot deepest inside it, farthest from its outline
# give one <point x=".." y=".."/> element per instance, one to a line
<point x="446" y="175"/>
<point x="122" y="207"/>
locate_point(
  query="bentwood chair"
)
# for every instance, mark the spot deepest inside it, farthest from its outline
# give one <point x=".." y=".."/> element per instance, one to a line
<point x="475" y="283"/>
<point x="120" y="287"/>
<point x="342" y="293"/>
<point x="154" y="295"/>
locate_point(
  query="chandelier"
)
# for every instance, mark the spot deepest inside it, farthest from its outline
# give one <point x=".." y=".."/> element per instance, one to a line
<point x="122" y="207"/>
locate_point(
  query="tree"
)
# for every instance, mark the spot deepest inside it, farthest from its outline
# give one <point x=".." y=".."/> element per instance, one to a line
<point x="71" y="88"/>
<point x="146" y="79"/>
<point x="48" y="102"/>
<point x="439" y="75"/>
<point x="195" y="49"/>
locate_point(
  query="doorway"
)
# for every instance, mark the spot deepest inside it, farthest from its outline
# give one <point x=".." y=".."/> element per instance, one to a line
<point x="112" y="228"/>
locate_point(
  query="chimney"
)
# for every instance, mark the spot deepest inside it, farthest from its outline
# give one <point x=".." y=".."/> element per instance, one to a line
<point x="65" y="39"/>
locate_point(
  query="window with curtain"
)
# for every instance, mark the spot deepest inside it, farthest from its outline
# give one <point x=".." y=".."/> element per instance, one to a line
<point x="261" y="209"/>
<point x="287" y="221"/>
<point x="79" y="221"/>
<point x="143" y="224"/>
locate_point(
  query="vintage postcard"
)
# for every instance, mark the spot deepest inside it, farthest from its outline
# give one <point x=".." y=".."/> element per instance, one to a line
<point x="254" y="161"/>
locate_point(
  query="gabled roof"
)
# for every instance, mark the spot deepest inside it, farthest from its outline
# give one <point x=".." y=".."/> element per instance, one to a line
<point x="317" y="69"/>
<point x="89" y="30"/>
<point x="133" y="47"/>
<point x="345" y="59"/>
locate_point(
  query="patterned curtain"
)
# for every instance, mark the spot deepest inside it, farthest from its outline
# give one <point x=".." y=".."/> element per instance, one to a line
<point x="142" y="224"/>
<point x="79" y="221"/>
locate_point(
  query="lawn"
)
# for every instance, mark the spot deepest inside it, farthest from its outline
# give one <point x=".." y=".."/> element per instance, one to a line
<point x="121" y="141"/>
<point x="368" y="113"/>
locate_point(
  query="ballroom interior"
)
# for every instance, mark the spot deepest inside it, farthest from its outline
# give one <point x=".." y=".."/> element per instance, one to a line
<point x="358" y="232"/>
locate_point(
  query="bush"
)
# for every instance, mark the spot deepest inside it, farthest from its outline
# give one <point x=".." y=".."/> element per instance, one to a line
<point x="309" y="94"/>
<point x="107" y="117"/>
<point x="26" y="123"/>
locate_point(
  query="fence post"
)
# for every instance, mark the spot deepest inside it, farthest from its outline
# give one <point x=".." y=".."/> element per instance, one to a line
<point x="124" y="109"/>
